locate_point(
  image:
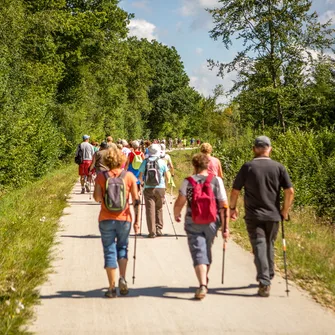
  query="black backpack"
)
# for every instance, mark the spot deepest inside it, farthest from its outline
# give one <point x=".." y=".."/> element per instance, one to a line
<point x="152" y="174"/>
<point x="79" y="156"/>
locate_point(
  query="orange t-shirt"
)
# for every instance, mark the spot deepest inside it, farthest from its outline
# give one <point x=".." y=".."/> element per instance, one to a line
<point x="105" y="214"/>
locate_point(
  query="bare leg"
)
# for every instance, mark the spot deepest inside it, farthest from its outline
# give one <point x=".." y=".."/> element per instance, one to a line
<point x="122" y="267"/>
<point x="111" y="274"/>
<point x="201" y="272"/>
<point x="82" y="181"/>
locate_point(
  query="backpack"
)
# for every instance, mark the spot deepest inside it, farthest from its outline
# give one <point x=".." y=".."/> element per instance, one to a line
<point x="203" y="207"/>
<point x="137" y="161"/>
<point x="115" y="194"/>
<point x="152" y="174"/>
<point x="79" y="156"/>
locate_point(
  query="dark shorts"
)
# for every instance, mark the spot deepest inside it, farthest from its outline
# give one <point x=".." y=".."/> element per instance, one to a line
<point x="200" y="240"/>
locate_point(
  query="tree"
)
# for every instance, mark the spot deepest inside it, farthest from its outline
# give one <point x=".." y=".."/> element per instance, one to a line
<point x="275" y="32"/>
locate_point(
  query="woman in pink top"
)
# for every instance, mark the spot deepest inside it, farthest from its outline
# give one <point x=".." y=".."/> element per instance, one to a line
<point x="214" y="166"/>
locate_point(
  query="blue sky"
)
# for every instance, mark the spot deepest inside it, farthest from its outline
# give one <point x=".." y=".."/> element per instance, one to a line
<point x="184" y="24"/>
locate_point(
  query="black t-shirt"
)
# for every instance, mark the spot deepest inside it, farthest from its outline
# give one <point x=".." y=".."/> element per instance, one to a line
<point x="262" y="179"/>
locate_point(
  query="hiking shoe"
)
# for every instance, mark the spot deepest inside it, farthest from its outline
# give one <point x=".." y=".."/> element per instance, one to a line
<point x="151" y="235"/>
<point x="159" y="232"/>
<point x="82" y="190"/>
<point x="111" y="293"/>
<point x="87" y="188"/>
<point x="123" y="287"/>
<point x="264" y="290"/>
<point x="201" y="292"/>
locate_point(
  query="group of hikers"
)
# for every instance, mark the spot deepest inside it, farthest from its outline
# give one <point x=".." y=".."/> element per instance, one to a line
<point x="128" y="174"/>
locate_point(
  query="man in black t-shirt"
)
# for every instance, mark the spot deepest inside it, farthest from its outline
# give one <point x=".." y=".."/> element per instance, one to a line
<point x="262" y="179"/>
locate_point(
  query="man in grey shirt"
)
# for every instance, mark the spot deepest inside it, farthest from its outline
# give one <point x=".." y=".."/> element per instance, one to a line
<point x="87" y="152"/>
<point x="262" y="180"/>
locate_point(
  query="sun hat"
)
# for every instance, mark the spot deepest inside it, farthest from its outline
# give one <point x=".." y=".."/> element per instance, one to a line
<point x="154" y="150"/>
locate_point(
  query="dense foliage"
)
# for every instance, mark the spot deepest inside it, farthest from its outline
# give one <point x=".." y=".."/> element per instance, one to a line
<point x="67" y="68"/>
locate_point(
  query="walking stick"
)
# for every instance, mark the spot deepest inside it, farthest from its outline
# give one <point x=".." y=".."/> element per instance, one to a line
<point x="223" y="260"/>
<point x="142" y="204"/>
<point x="134" y="257"/>
<point x="90" y="188"/>
<point x="284" y="255"/>
<point x="171" y="217"/>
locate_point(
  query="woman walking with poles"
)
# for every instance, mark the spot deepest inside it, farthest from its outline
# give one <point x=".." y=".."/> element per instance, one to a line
<point x="207" y="210"/>
<point x="112" y="190"/>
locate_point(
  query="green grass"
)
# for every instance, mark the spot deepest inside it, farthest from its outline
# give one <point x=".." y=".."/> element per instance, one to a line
<point x="310" y="244"/>
<point x="28" y="222"/>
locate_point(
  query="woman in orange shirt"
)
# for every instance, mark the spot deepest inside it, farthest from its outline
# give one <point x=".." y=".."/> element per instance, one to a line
<point x="115" y="226"/>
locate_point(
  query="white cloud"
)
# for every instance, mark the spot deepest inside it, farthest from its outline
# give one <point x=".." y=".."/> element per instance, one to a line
<point x="142" y="29"/>
<point x="205" y="80"/>
<point x="140" y="4"/>
<point x="194" y="7"/>
<point x="199" y="51"/>
<point x="328" y="15"/>
<point x="196" y="10"/>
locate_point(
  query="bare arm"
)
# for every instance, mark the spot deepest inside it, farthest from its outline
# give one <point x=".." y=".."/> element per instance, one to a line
<point x="93" y="163"/>
<point x="224" y="218"/>
<point x="220" y="173"/>
<point x="178" y="206"/>
<point x="97" y="194"/>
<point x="136" y="202"/>
<point x="288" y="200"/>
<point x="233" y="203"/>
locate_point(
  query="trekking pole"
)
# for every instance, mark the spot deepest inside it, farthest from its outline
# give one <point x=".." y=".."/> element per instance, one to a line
<point x="284" y="254"/>
<point x="223" y="260"/>
<point x="171" y="218"/>
<point x="90" y="188"/>
<point x="141" y="212"/>
<point x="134" y="257"/>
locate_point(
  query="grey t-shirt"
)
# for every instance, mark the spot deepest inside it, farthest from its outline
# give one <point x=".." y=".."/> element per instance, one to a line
<point x="187" y="191"/>
<point x="88" y="151"/>
<point x="262" y="179"/>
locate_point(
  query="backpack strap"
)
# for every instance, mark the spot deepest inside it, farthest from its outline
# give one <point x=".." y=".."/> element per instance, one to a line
<point x="209" y="179"/>
<point x="106" y="174"/>
<point x="192" y="181"/>
<point x="123" y="174"/>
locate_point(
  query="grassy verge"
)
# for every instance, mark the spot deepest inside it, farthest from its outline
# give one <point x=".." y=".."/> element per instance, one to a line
<point x="28" y="222"/>
<point x="310" y="244"/>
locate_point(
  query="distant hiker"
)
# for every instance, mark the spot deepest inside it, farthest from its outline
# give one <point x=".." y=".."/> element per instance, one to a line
<point x="146" y="150"/>
<point x="184" y="143"/>
<point x="99" y="159"/>
<point x="134" y="161"/>
<point x="214" y="166"/>
<point x="109" y="140"/>
<point x="170" y="143"/>
<point x="95" y="146"/>
<point x="115" y="217"/>
<point x="262" y="179"/>
<point x="168" y="161"/>
<point x="153" y="173"/>
<point x="198" y="142"/>
<point x="125" y="148"/>
<point x="207" y="210"/>
<point x="84" y="154"/>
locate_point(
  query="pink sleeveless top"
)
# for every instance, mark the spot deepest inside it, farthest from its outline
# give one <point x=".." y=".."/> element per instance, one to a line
<point x="213" y="166"/>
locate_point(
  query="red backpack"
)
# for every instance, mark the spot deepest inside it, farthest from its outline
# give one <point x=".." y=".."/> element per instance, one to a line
<point x="204" y="209"/>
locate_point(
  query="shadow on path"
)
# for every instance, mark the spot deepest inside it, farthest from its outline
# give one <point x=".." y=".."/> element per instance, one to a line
<point x="81" y="236"/>
<point x="156" y="292"/>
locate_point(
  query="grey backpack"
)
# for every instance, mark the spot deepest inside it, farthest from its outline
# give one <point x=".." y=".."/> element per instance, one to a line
<point x="115" y="194"/>
<point x="152" y="174"/>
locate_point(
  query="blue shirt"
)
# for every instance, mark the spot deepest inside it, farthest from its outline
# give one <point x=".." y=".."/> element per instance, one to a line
<point x="162" y="170"/>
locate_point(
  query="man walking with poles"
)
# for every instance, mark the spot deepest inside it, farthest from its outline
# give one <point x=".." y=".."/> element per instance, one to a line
<point x="262" y="179"/>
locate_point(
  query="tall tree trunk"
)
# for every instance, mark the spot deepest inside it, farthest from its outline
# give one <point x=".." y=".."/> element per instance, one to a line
<point x="272" y="68"/>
